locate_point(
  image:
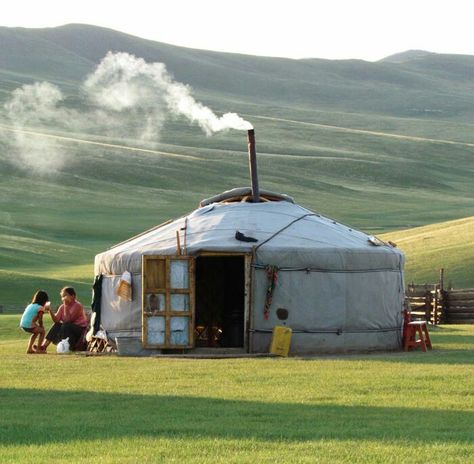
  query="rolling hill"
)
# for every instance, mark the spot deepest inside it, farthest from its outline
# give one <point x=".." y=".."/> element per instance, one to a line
<point x="448" y="244"/>
<point x="383" y="146"/>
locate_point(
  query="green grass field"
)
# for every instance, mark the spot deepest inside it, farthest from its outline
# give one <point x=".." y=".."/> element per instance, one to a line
<point x="386" y="407"/>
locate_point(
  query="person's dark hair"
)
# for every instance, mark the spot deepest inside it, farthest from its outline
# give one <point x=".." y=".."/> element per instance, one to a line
<point x="40" y="297"/>
<point x="69" y="291"/>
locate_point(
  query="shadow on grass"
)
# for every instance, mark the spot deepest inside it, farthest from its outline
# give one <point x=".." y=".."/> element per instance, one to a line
<point x="68" y="416"/>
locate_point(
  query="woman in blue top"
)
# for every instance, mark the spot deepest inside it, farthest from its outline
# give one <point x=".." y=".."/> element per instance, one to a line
<point x="32" y="320"/>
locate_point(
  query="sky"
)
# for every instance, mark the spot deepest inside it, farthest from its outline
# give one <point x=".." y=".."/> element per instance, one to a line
<point x="332" y="29"/>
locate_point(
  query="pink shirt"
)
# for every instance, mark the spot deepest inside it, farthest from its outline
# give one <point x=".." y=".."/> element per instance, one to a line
<point x="73" y="313"/>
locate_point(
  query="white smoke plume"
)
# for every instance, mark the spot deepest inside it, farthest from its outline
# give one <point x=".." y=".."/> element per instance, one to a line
<point x="32" y="106"/>
<point x="124" y="95"/>
<point x="123" y="81"/>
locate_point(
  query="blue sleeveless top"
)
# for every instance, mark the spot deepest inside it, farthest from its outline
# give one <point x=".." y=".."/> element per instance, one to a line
<point x="28" y="314"/>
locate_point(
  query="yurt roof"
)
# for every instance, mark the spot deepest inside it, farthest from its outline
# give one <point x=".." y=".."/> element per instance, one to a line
<point x="274" y="225"/>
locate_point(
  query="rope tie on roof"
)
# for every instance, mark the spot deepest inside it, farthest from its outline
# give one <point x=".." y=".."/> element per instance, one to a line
<point x="309" y="270"/>
<point x="284" y="228"/>
<point x="335" y="331"/>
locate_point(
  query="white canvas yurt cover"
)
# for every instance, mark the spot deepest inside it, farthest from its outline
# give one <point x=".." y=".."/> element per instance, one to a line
<point x="229" y="272"/>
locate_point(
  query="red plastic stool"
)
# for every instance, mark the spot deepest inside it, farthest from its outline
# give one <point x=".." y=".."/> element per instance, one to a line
<point x="412" y="329"/>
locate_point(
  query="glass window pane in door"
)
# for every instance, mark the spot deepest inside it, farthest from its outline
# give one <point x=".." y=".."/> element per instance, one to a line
<point x="156" y="331"/>
<point x="179" y="302"/>
<point x="154" y="302"/>
<point x="179" y="273"/>
<point x="179" y="331"/>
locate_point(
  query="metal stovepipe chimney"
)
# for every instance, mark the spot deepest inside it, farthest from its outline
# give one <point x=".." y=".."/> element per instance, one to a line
<point x="253" y="165"/>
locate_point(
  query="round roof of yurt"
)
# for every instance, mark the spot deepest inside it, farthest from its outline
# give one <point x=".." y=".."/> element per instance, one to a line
<point x="340" y="288"/>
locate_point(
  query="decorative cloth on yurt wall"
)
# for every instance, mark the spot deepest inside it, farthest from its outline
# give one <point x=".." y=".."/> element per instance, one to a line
<point x="272" y="276"/>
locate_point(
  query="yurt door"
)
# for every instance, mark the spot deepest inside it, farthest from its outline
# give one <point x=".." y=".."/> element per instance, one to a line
<point x="168" y="302"/>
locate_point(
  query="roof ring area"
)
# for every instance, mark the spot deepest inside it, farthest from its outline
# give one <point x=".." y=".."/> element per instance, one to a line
<point x="244" y="194"/>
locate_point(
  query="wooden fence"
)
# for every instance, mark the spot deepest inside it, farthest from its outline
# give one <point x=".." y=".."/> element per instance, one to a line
<point x="426" y="302"/>
<point x="431" y="303"/>
<point x="459" y="306"/>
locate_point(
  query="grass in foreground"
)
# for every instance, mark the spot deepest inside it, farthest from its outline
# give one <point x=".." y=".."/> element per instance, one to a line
<point x="391" y="407"/>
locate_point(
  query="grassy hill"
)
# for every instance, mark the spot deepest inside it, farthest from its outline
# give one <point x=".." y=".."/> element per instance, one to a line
<point x="418" y="87"/>
<point x="383" y="146"/>
<point x="448" y="244"/>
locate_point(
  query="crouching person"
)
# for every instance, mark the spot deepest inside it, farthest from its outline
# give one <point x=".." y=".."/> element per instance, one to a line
<point x="70" y="320"/>
<point x="32" y="320"/>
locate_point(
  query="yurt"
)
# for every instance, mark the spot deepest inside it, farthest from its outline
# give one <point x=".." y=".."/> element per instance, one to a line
<point x="223" y="276"/>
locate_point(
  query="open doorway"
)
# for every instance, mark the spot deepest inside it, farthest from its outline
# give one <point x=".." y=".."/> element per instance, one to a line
<point x="220" y="301"/>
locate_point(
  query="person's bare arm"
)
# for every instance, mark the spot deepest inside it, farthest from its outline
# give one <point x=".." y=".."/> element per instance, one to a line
<point x="54" y="315"/>
<point x="38" y="319"/>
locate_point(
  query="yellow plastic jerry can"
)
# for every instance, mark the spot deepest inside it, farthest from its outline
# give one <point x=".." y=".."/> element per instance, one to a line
<point x="281" y="340"/>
